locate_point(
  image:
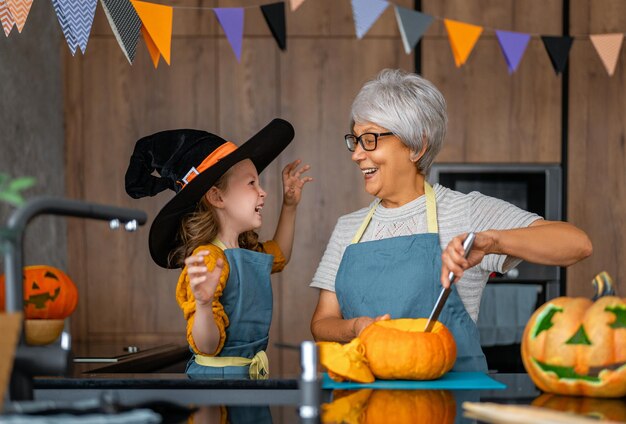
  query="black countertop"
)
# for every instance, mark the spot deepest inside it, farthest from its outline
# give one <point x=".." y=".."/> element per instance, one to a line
<point x="276" y="399"/>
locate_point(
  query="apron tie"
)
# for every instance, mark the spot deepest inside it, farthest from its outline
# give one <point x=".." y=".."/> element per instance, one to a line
<point x="258" y="366"/>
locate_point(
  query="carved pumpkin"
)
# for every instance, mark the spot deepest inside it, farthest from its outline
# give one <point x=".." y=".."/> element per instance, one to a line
<point x="599" y="409"/>
<point x="369" y="406"/>
<point x="390" y="350"/>
<point x="576" y="346"/>
<point x="48" y="293"/>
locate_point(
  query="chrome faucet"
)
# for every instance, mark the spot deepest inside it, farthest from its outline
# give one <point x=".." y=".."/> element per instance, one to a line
<point x="51" y="359"/>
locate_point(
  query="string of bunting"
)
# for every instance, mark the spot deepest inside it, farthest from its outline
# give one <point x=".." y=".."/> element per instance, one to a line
<point x="130" y="18"/>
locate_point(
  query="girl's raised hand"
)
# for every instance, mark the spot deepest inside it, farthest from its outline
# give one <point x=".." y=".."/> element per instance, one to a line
<point x="203" y="281"/>
<point x="293" y="182"/>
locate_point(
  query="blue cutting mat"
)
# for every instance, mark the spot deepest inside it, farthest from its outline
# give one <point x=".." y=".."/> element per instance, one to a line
<point x="450" y="381"/>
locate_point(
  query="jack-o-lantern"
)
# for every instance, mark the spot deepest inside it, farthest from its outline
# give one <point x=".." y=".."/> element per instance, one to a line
<point x="48" y="293"/>
<point x="576" y="346"/>
<point x="368" y="406"/>
<point x="599" y="409"/>
<point x="392" y="349"/>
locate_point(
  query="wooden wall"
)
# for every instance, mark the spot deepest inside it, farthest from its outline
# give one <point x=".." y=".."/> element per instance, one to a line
<point x="124" y="296"/>
<point x="596" y="155"/>
<point x="494" y="117"/>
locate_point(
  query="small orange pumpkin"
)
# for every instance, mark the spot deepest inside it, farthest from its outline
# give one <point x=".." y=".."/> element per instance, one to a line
<point x="599" y="409"/>
<point x="390" y="350"/>
<point x="575" y="346"/>
<point x="48" y="293"/>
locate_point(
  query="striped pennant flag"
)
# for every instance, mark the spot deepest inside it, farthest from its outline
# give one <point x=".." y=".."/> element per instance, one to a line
<point x="79" y="16"/>
<point x="19" y="10"/>
<point x="6" y="18"/>
<point x="125" y="24"/>
<point x="67" y="31"/>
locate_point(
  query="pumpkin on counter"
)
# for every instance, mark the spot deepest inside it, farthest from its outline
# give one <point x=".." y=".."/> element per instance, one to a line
<point x="48" y="293"/>
<point x="392" y="349"/>
<point x="577" y="346"/>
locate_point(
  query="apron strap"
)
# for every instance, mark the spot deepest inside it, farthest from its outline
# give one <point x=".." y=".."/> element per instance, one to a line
<point x="258" y="366"/>
<point x="431" y="214"/>
<point x="431" y="208"/>
<point x="217" y="242"/>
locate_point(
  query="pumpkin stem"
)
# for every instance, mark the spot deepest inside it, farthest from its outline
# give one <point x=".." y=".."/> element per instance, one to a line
<point x="603" y="285"/>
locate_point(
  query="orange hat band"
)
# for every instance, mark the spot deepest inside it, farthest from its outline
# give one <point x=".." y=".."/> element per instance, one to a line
<point x="219" y="153"/>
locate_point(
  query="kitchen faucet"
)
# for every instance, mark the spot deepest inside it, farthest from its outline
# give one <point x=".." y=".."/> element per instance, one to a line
<point x="51" y="359"/>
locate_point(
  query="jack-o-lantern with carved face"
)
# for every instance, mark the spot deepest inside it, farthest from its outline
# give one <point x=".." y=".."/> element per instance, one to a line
<point x="48" y="293"/>
<point x="576" y="346"/>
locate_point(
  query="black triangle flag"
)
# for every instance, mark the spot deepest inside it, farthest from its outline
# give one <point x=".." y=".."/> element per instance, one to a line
<point x="274" y="14"/>
<point x="558" y="49"/>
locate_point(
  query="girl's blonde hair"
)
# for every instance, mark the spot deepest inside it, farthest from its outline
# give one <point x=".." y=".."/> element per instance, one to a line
<point x="201" y="227"/>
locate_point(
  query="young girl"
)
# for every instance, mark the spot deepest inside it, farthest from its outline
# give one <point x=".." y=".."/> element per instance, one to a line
<point x="208" y="230"/>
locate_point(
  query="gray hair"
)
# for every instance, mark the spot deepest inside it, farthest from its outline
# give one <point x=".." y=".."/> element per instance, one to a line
<point x="409" y="106"/>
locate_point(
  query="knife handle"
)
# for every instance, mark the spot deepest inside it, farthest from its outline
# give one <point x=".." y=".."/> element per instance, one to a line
<point x="467" y="246"/>
<point x="445" y="292"/>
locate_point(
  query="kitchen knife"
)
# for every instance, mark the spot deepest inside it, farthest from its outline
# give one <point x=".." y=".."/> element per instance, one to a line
<point x="443" y="296"/>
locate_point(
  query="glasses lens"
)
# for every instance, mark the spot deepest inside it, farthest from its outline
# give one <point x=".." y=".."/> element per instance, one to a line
<point x="350" y="142"/>
<point x="368" y="141"/>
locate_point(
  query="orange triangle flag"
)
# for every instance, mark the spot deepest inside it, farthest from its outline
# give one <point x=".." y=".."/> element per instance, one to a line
<point x="462" y="38"/>
<point x="608" y="47"/>
<point x="156" y="28"/>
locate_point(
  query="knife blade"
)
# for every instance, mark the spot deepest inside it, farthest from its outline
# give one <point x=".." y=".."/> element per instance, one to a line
<point x="445" y="292"/>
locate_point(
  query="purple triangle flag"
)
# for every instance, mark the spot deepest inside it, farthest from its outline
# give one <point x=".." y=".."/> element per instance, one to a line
<point x="65" y="26"/>
<point x="231" y="20"/>
<point x="513" y="46"/>
<point x="79" y="17"/>
<point x="366" y="13"/>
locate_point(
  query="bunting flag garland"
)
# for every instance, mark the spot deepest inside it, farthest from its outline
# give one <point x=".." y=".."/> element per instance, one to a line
<point x="366" y="13"/>
<point x="231" y="20"/>
<point x="156" y="29"/>
<point x="412" y="26"/>
<point x="65" y="27"/>
<point x="19" y="11"/>
<point x="79" y="17"/>
<point x="296" y="4"/>
<point x="125" y="24"/>
<point x="513" y="46"/>
<point x="129" y="18"/>
<point x="608" y="47"/>
<point x="6" y="18"/>
<point x="558" y="49"/>
<point x="274" y="15"/>
<point x="462" y="38"/>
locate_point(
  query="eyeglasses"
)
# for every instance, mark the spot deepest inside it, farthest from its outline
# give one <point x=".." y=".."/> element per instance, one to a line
<point x="368" y="140"/>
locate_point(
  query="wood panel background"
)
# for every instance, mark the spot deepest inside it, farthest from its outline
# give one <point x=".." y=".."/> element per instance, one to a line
<point x="124" y="296"/>
<point x="493" y="117"/>
<point x="596" y="155"/>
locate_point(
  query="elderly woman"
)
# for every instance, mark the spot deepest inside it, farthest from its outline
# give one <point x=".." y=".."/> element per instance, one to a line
<point x="390" y="259"/>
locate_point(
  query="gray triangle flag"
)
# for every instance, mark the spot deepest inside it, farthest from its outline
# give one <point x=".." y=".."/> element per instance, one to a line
<point x="412" y="25"/>
<point x="125" y="24"/>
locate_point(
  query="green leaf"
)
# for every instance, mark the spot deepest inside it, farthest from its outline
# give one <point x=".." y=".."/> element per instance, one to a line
<point x="21" y="183"/>
<point x="12" y="198"/>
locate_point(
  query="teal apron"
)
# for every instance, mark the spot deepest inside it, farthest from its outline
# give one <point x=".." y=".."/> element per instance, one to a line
<point x="400" y="276"/>
<point x="247" y="301"/>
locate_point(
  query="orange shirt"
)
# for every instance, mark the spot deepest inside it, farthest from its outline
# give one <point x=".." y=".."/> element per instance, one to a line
<point x="187" y="303"/>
